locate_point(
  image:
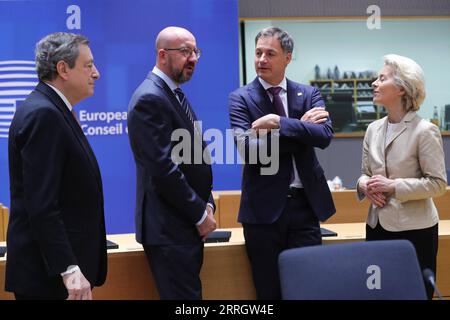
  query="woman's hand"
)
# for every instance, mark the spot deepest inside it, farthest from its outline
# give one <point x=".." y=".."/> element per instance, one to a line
<point x="381" y="184"/>
<point x="377" y="198"/>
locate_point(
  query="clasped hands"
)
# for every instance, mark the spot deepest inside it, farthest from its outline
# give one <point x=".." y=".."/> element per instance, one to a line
<point x="378" y="189"/>
<point x="270" y="121"/>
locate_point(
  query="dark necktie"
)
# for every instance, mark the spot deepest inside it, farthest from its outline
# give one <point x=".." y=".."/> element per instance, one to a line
<point x="185" y="105"/>
<point x="279" y="109"/>
<point x="277" y="103"/>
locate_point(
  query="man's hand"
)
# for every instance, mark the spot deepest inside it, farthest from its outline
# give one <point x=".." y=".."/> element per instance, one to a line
<point x="77" y="286"/>
<point x="315" y="115"/>
<point x="207" y="226"/>
<point x="268" y="122"/>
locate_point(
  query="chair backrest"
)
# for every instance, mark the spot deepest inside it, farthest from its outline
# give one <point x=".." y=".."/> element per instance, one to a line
<point x="352" y="271"/>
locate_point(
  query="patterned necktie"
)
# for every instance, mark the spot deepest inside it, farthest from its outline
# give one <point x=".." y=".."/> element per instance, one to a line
<point x="184" y="104"/>
<point x="277" y="103"/>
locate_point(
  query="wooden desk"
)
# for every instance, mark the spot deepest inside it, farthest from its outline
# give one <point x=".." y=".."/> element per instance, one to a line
<point x="3" y="222"/>
<point x="348" y="208"/>
<point x="226" y="272"/>
<point x="229" y="208"/>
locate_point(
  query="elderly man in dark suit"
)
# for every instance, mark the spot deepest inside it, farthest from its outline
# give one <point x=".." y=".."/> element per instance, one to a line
<point x="56" y="234"/>
<point x="174" y="204"/>
<point x="281" y="210"/>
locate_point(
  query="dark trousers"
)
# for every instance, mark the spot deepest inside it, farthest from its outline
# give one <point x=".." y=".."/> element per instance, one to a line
<point x="176" y="270"/>
<point x="296" y="227"/>
<point x="425" y="241"/>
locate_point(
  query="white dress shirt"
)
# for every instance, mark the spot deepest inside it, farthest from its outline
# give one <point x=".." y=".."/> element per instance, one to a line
<point x="297" y="183"/>
<point x="62" y="96"/>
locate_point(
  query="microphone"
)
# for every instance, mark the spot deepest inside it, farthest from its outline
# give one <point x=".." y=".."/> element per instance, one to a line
<point x="429" y="278"/>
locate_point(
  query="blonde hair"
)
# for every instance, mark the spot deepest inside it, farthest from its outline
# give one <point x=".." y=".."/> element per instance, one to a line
<point x="409" y="76"/>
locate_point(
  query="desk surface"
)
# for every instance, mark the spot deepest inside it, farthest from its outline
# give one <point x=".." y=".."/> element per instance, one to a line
<point x="346" y="232"/>
<point x="348" y="208"/>
<point x="127" y="242"/>
<point x="226" y="272"/>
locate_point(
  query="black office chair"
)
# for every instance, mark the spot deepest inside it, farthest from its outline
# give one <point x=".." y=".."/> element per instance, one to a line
<point x="375" y="270"/>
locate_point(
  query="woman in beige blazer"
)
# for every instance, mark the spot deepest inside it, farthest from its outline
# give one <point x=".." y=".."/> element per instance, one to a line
<point x="403" y="164"/>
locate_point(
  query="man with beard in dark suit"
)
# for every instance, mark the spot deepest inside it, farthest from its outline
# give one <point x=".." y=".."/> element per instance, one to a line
<point x="174" y="204"/>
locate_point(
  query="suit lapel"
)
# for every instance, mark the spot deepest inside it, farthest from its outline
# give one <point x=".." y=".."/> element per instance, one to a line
<point x="263" y="103"/>
<point x="176" y="104"/>
<point x="173" y="99"/>
<point x="72" y="122"/>
<point x="395" y="134"/>
<point x="260" y="97"/>
<point x="404" y="124"/>
<point x="295" y="99"/>
<point x="380" y="139"/>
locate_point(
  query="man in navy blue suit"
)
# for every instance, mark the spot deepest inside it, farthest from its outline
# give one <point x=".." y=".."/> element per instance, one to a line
<point x="56" y="232"/>
<point x="282" y="210"/>
<point x="174" y="204"/>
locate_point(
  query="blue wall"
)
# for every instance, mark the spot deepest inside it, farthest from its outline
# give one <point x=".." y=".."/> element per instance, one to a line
<point x="122" y="35"/>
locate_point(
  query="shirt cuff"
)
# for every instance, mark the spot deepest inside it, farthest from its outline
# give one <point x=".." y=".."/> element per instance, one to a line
<point x="211" y="206"/>
<point x="205" y="214"/>
<point x="70" y="269"/>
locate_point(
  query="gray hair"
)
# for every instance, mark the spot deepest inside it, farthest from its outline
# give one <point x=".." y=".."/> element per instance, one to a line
<point x="286" y="41"/>
<point x="56" y="47"/>
<point x="409" y="76"/>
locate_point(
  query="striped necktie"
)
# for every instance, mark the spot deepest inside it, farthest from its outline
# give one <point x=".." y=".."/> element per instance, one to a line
<point x="184" y="104"/>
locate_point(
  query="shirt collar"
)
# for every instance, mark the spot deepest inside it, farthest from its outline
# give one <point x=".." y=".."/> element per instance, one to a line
<point x="172" y="84"/>
<point x="266" y="85"/>
<point x="62" y="96"/>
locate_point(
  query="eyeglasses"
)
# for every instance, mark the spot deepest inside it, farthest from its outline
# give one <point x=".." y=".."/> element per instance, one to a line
<point x="187" y="52"/>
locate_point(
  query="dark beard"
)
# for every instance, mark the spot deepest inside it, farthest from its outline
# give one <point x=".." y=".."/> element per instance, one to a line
<point x="181" y="78"/>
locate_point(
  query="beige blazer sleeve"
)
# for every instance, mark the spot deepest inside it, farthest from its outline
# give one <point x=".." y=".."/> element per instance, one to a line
<point x="365" y="167"/>
<point x="432" y="181"/>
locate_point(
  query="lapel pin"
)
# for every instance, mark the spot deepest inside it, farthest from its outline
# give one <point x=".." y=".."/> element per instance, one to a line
<point x="299" y="94"/>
